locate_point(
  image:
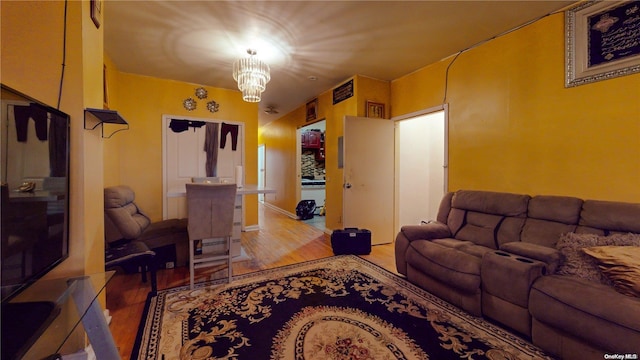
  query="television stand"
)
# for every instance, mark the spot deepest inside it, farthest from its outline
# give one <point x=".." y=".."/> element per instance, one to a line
<point x="38" y="322"/>
<point x="22" y="325"/>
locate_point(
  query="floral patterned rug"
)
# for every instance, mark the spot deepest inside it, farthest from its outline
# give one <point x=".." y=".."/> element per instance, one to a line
<point x="341" y="307"/>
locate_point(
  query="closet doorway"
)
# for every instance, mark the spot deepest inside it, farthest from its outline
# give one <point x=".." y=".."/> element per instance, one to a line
<point x="312" y="169"/>
<point x="184" y="157"/>
<point x="421" y="166"/>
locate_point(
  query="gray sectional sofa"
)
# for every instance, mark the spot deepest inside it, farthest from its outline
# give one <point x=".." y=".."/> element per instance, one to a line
<point x="511" y="258"/>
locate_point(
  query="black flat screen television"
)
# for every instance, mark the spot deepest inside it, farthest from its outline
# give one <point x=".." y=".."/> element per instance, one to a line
<point x="34" y="172"/>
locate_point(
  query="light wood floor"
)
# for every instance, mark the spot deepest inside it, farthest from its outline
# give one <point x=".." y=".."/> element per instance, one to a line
<point x="280" y="241"/>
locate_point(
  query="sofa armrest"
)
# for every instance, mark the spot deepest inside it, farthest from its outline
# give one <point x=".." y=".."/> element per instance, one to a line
<point x="550" y="256"/>
<point x="429" y="231"/>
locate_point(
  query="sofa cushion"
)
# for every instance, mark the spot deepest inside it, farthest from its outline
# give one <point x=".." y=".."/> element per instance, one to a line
<point x="548" y="217"/>
<point x="588" y="310"/>
<point x="480" y="229"/>
<point x="562" y="209"/>
<point x="452" y="243"/>
<point x="475" y="250"/>
<point x="489" y="202"/>
<point x="445" y="207"/>
<point x="445" y="264"/>
<point x="487" y="218"/>
<point x="432" y="230"/>
<point x="509" y="230"/>
<point x="611" y="216"/>
<point x="464" y="246"/>
<point x="544" y="232"/>
<point x="621" y="265"/>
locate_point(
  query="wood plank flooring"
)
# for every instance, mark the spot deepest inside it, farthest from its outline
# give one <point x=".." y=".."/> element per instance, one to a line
<point x="280" y="241"/>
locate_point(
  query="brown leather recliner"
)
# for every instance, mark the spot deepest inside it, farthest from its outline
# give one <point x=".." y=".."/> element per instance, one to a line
<point x="123" y="220"/>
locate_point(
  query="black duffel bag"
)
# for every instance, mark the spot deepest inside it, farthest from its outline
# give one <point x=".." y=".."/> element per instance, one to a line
<point x="305" y="209"/>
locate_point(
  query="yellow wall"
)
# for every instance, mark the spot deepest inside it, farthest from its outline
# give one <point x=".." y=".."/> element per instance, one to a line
<point x="514" y="127"/>
<point x="279" y="138"/>
<point x="32" y="55"/>
<point x="111" y="157"/>
<point x="142" y="101"/>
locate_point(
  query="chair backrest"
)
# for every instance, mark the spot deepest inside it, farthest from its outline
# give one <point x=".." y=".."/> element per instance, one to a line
<point x="210" y="210"/>
<point x="487" y="218"/>
<point x="122" y="217"/>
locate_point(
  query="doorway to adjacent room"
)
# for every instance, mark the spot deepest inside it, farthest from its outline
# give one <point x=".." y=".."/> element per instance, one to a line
<point x="421" y="146"/>
<point x="312" y="170"/>
<point x="399" y="181"/>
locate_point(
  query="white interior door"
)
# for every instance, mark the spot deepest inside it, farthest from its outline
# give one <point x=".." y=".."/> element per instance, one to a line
<point x="261" y="170"/>
<point x="184" y="158"/>
<point x="369" y="177"/>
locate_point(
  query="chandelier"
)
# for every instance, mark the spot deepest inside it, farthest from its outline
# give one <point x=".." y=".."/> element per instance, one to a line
<point x="252" y="75"/>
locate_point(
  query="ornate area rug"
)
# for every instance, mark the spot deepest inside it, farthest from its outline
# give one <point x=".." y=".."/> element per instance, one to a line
<point x="341" y="307"/>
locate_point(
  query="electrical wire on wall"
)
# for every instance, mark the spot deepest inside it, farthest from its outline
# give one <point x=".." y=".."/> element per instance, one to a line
<point x="446" y="76"/>
<point x="64" y="53"/>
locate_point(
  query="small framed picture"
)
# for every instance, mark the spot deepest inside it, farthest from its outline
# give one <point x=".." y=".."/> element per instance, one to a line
<point x="375" y="110"/>
<point x="312" y="109"/>
<point x="96" y="12"/>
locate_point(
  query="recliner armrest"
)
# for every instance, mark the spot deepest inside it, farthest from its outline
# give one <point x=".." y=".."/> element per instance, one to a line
<point x="428" y="231"/>
<point x="550" y="256"/>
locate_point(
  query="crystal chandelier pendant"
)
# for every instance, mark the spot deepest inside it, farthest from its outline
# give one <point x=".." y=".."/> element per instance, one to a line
<point x="252" y="75"/>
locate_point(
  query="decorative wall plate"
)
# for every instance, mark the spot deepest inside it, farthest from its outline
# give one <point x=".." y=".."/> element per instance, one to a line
<point x="189" y="104"/>
<point x="213" y="106"/>
<point x="201" y="93"/>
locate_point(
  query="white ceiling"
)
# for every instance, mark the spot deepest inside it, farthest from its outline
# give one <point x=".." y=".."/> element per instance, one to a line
<point x="198" y="41"/>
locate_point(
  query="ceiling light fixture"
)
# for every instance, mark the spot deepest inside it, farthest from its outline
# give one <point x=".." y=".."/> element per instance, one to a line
<point x="252" y="75"/>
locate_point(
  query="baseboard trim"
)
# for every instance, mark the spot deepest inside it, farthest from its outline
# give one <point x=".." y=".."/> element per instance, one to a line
<point x="281" y="211"/>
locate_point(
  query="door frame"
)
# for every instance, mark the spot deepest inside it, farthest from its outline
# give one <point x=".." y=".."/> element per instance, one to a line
<point x="299" y="131"/>
<point x="445" y="109"/>
<point x="379" y="212"/>
<point x="262" y="169"/>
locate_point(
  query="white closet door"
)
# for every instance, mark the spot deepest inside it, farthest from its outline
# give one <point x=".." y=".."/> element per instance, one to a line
<point x="184" y="158"/>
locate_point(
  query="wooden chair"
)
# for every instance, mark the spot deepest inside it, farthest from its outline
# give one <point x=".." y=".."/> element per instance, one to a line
<point x="210" y="210"/>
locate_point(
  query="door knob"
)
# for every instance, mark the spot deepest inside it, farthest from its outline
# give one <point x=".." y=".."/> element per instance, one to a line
<point x="347" y="186"/>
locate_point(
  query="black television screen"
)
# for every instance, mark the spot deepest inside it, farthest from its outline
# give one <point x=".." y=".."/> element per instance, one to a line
<point x="34" y="173"/>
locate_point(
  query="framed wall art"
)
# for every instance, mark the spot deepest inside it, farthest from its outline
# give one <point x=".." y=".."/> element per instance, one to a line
<point x="312" y="110"/>
<point x="96" y="12"/>
<point x="375" y="110"/>
<point x="601" y="41"/>
<point x="105" y="88"/>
